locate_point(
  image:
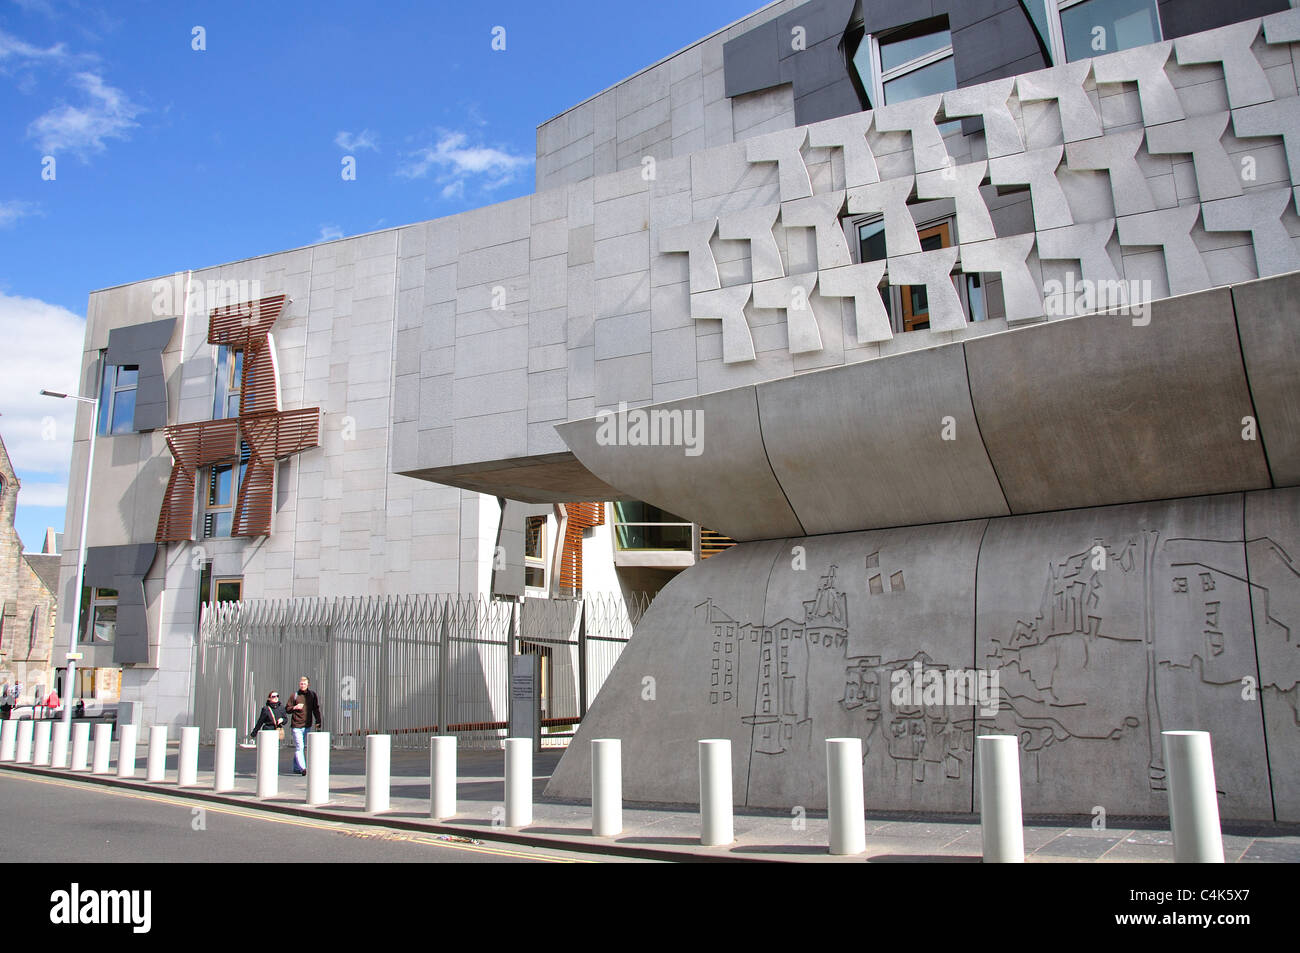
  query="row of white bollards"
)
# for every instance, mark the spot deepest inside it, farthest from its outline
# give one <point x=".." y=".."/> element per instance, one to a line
<point x="1193" y="800"/>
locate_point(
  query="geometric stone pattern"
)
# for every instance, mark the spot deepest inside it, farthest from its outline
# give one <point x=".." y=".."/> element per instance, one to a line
<point x="1179" y="125"/>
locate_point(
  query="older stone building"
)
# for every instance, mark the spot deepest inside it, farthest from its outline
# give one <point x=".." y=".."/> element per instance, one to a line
<point x="27" y="584"/>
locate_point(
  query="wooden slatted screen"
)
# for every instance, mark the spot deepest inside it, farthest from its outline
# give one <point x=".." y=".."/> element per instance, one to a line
<point x="712" y="543"/>
<point x="246" y="327"/>
<point x="581" y="517"/>
<point x="271" y="436"/>
<point x="267" y="433"/>
<point x="193" y="446"/>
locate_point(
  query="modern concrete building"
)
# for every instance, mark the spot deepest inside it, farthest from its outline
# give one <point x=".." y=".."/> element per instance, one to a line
<point x="974" y="323"/>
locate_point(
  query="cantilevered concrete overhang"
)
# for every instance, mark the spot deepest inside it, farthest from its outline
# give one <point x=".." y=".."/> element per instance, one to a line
<point x="1080" y="412"/>
<point x="547" y="478"/>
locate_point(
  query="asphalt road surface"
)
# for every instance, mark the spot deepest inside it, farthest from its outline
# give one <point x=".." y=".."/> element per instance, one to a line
<point x="52" y="820"/>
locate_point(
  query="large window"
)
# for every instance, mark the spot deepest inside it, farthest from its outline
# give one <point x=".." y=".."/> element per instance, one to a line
<point x="640" y="526"/>
<point x="98" y="616"/>
<point x="907" y="63"/>
<point x="117" y="398"/>
<point x="535" y="552"/>
<point x="909" y="306"/>
<point x="1078" y="29"/>
<point x="222" y="489"/>
<point x="229" y="383"/>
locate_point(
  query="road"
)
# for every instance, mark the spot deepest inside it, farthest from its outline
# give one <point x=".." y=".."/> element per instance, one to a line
<point x="48" y="820"/>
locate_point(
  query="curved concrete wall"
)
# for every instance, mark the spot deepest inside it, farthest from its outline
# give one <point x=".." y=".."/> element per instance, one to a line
<point x="1088" y="411"/>
<point x="1101" y="625"/>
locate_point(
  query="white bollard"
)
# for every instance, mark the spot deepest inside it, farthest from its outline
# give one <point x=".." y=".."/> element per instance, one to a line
<point x="127" y="736"/>
<point x="156" y="766"/>
<point x="59" y="745"/>
<point x="268" y="763"/>
<point x="378" y="762"/>
<point x="80" y="745"/>
<point x="41" y="745"/>
<point x="1193" y="798"/>
<point x="187" y="761"/>
<point x="442" y="776"/>
<point x="318" y="767"/>
<point x="26" y="727"/>
<point x="845" y="802"/>
<point x="223" y="761"/>
<point x="519" y="782"/>
<point x="1001" y="821"/>
<point x="716" y="823"/>
<point x="8" y="739"/>
<point x="103" y="747"/>
<point x="606" y="787"/>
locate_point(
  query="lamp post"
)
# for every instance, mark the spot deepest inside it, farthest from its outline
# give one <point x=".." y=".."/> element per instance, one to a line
<point x="81" y="552"/>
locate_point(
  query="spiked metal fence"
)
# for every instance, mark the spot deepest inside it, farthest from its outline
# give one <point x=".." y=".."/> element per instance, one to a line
<point x="409" y="666"/>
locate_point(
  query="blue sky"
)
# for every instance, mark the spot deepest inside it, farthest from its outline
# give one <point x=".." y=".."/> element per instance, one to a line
<point x="168" y="158"/>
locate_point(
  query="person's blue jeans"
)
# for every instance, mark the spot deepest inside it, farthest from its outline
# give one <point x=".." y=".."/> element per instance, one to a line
<point x="300" y="749"/>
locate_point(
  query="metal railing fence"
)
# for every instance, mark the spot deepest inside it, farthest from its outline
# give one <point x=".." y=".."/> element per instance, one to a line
<point x="409" y="666"/>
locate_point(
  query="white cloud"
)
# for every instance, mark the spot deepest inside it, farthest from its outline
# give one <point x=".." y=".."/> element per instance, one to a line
<point x="43" y="346"/>
<point x="365" y="139"/>
<point x="455" y="163"/>
<point x="11" y="212"/>
<point x="13" y="49"/>
<point x="31" y="493"/>
<point x="329" y="233"/>
<point x="107" y="114"/>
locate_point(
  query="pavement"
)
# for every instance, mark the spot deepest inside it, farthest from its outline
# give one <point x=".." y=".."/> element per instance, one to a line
<point x="671" y="832"/>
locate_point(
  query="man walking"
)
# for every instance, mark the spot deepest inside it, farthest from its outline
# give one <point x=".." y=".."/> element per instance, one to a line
<point x="304" y="711"/>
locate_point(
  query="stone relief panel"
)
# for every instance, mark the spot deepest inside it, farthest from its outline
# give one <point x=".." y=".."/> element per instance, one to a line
<point x="1143" y="622"/>
<point x="1084" y="633"/>
<point x="1273" y="558"/>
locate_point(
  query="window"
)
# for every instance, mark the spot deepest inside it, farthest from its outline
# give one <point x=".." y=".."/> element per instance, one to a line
<point x="117" y="398"/>
<point x="908" y="63"/>
<point x="908" y="306"/>
<point x="1078" y="29"/>
<point x="535" y="552"/>
<point x="220" y="589"/>
<point x="871" y="247"/>
<point x="224" y="480"/>
<point x="229" y="383"/>
<point x="98" y="616"/>
<point x="640" y="526"/>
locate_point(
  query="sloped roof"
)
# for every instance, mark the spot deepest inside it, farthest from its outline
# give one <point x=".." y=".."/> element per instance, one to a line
<point x="46" y="567"/>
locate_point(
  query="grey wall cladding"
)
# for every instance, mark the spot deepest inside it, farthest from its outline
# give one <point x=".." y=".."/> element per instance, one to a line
<point x="990" y="39"/>
<point x="142" y="345"/>
<point x="1181" y="17"/>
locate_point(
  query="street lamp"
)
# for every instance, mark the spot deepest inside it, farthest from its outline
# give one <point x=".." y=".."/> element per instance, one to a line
<point x="81" y="554"/>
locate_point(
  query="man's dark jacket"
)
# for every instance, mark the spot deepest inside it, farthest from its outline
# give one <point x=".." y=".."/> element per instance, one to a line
<point x="310" y="711"/>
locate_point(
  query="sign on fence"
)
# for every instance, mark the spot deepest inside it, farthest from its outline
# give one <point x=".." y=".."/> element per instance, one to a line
<point x="526" y="698"/>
